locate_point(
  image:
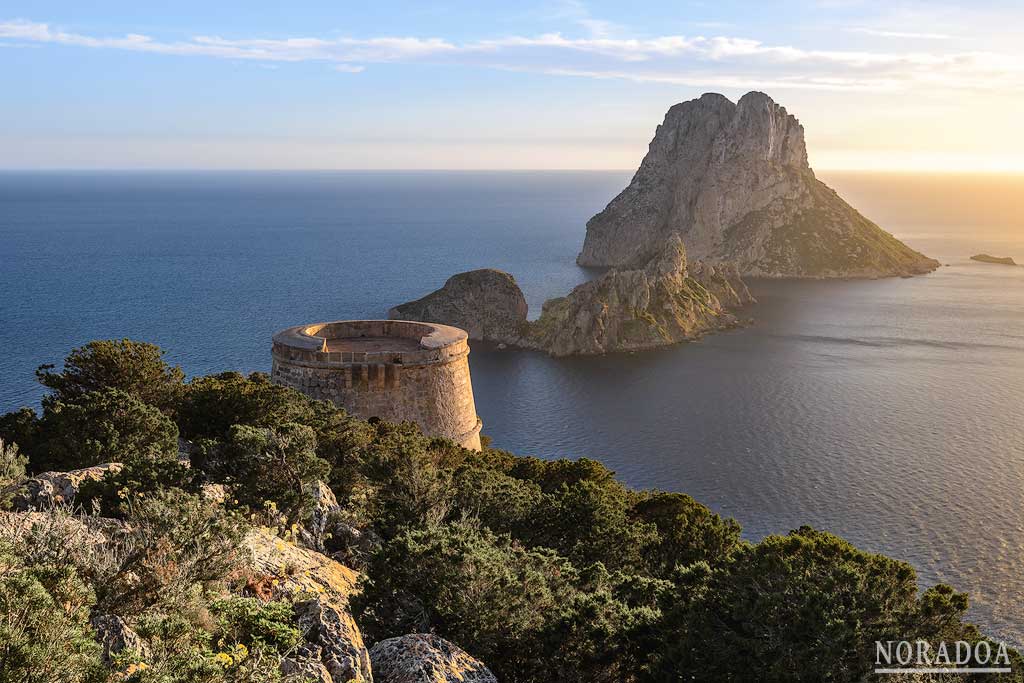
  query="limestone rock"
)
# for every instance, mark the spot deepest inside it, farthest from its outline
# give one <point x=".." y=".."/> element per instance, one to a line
<point x="15" y="526"/>
<point x="117" y="637"/>
<point x="306" y="666"/>
<point x="733" y="180"/>
<point x="299" y="570"/>
<point x="322" y="519"/>
<point x="331" y="630"/>
<point x="624" y="310"/>
<point x="724" y="281"/>
<point x="45" y="490"/>
<point x="185" y="450"/>
<point x="425" y="658"/>
<point x="486" y="303"/>
<point x="215" y="493"/>
<point x="324" y="588"/>
<point x="663" y="301"/>
<point x="998" y="260"/>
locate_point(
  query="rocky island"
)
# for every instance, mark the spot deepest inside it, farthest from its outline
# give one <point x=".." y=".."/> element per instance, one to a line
<point x="734" y="181"/>
<point x="664" y="301"/>
<point x="724" y="192"/>
<point x="998" y="260"/>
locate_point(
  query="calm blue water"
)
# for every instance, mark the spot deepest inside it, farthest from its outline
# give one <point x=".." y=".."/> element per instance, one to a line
<point x="891" y="412"/>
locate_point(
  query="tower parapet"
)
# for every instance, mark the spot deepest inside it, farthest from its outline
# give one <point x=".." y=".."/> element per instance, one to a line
<point x="397" y="370"/>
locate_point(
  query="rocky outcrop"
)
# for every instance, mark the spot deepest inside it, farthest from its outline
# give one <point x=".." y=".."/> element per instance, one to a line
<point x="322" y="520"/>
<point x="626" y="310"/>
<point x="724" y="281"/>
<point x="322" y="587"/>
<point x="425" y="658"/>
<point x="998" y="260"/>
<point x="486" y="303"/>
<point x="329" y="633"/>
<point x="45" y="490"/>
<point x="733" y="180"/>
<point x="663" y="301"/>
<point x="83" y="530"/>
<point x="117" y="637"/>
<point x="306" y="666"/>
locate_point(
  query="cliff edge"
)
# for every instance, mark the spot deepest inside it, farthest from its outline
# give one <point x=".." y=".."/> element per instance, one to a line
<point x="734" y="182"/>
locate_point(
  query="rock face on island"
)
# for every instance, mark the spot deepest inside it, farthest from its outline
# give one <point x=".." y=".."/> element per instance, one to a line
<point x="486" y="303"/>
<point x="734" y="182"/>
<point x="626" y="310"/>
<point x="999" y="260"/>
<point x="663" y="301"/>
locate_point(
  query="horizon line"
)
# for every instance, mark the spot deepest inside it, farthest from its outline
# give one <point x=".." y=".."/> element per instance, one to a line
<point x="432" y="169"/>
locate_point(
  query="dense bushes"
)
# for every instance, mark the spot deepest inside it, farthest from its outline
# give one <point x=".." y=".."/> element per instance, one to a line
<point x="212" y="405"/>
<point x="44" y="624"/>
<point x="266" y="464"/>
<point x="106" y="425"/>
<point x="135" y="368"/>
<point x="530" y="614"/>
<point x="546" y="570"/>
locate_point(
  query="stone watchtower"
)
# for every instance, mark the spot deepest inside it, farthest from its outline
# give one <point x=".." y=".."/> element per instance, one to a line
<point x="396" y="370"/>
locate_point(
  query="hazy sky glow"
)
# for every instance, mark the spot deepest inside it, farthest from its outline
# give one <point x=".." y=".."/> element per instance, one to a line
<point x="569" y="84"/>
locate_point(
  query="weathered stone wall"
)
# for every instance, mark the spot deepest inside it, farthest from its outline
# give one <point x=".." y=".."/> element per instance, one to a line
<point x="429" y="384"/>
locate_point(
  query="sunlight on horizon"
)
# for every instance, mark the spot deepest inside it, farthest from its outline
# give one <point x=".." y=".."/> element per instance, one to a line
<point x="878" y="87"/>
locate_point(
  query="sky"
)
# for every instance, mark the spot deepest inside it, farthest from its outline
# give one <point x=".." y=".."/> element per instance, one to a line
<point x="568" y="84"/>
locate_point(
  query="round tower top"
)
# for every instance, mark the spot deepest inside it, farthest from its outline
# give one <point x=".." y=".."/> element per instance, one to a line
<point x="344" y="342"/>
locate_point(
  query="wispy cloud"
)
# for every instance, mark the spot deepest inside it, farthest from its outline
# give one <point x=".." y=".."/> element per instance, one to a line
<point x="899" y="34"/>
<point x="383" y="49"/>
<point x="577" y="12"/>
<point x="719" y="61"/>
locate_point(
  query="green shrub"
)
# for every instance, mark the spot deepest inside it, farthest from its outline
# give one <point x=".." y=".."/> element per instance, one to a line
<point x="588" y="521"/>
<point x="182" y="651"/>
<point x="102" y="426"/>
<point x="12" y="470"/>
<point x="410" y="477"/>
<point x="20" y="427"/>
<point x="502" y="503"/>
<point x="212" y="405"/>
<point x="44" y="625"/>
<point x="528" y="614"/>
<point x="137" y="368"/>
<point x="687" y="532"/>
<point x="111" y="494"/>
<point x="172" y="545"/>
<point x="807" y="606"/>
<point x="484" y="592"/>
<point x="552" y="475"/>
<point x="255" y="624"/>
<point x="260" y="464"/>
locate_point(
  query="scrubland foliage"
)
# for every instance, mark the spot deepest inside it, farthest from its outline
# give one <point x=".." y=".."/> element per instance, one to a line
<point x="545" y="570"/>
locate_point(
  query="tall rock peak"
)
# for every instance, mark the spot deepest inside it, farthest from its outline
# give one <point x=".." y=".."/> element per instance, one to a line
<point x="734" y="181"/>
<point x="766" y="131"/>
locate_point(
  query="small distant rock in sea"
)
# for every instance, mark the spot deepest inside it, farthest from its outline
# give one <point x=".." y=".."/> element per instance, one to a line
<point x="999" y="260"/>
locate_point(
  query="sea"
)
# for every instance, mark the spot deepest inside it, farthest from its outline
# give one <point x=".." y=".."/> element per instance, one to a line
<point x="889" y="411"/>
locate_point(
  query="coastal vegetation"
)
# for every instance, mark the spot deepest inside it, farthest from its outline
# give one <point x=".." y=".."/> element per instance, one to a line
<point x="542" y="569"/>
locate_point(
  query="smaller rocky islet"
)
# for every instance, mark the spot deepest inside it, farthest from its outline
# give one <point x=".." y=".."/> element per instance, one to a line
<point x="664" y="301"/>
<point x="996" y="260"/>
